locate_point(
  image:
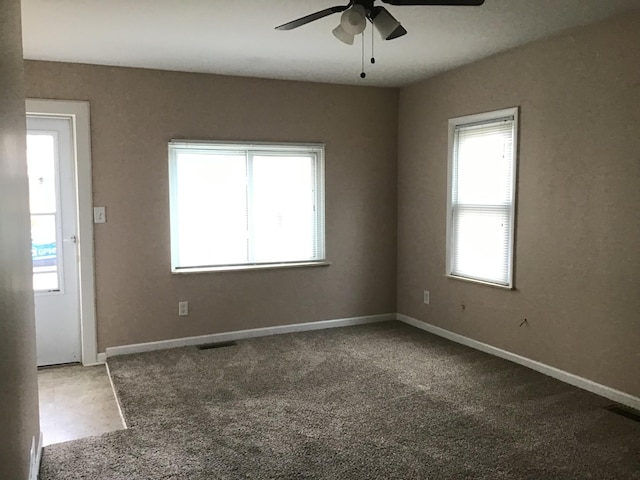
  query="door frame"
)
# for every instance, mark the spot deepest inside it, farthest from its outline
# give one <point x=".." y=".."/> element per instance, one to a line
<point x="78" y="112"/>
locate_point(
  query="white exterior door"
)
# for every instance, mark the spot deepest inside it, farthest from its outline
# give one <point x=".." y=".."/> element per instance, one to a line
<point x="53" y="201"/>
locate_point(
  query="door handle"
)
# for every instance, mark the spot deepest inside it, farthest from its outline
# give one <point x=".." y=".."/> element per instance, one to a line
<point x="72" y="238"/>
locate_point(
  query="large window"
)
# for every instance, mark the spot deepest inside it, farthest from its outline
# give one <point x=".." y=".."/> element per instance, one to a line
<point x="243" y="206"/>
<point x="481" y="197"/>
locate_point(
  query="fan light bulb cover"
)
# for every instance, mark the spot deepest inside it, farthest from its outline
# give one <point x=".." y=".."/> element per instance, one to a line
<point x="388" y="27"/>
<point x="354" y="20"/>
<point x="343" y="36"/>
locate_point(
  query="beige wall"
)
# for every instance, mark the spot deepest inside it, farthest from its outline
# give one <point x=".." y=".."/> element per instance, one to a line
<point x="577" y="256"/>
<point x="578" y="225"/>
<point x="134" y="113"/>
<point x="18" y="385"/>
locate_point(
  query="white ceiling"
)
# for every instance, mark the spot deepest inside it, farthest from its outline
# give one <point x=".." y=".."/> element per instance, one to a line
<point x="237" y="37"/>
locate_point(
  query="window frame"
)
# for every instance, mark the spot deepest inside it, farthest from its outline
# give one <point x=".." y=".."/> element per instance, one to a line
<point x="470" y="120"/>
<point x="249" y="148"/>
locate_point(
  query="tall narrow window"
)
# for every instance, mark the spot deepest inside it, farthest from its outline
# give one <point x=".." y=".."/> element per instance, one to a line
<point x="481" y="197"/>
<point x="234" y="206"/>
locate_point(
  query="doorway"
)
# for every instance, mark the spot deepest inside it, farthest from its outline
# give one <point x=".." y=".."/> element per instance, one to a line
<point x="59" y="163"/>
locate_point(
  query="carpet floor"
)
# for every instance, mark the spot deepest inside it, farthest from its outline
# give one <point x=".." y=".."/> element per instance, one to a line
<point x="382" y="401"/>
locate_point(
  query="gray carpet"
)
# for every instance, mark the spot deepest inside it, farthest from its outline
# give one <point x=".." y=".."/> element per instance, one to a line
<point x="383" y="401"/>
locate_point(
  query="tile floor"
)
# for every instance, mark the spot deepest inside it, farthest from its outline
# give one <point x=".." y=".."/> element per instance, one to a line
<point x="76" y="402"/>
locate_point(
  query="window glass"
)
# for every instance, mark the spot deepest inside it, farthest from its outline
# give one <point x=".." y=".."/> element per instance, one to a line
<point x="481" y="204"/>
<point x="211" y="206"/>
<point x="283" y="203"/>
<point x="234" y="205"/>
<point x="43" y="181"/>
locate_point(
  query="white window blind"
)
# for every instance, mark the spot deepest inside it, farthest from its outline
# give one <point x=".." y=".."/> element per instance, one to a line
<point x="482" y="196"/>
<point x="237" y="205"/>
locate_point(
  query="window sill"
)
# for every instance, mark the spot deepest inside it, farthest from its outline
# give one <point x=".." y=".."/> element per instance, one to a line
<point x="264" y="266"/>
<point x="481" y="282"/>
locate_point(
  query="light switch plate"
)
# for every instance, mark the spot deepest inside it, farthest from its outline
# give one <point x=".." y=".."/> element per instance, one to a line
<point x="99" y="215"/>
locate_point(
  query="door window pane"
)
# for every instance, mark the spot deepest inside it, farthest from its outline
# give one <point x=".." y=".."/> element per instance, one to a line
<point x="41" y="165"/>
<point x="42" y="173"/>
<point x="44" y="252"/>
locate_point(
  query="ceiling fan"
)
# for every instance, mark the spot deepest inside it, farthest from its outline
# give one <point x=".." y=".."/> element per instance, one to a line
<point x="356" y="13"/>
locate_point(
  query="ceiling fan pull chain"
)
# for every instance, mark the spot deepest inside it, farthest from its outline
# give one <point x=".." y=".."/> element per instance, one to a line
<point x="363" y="75"/>
<point x="373" y="57"/>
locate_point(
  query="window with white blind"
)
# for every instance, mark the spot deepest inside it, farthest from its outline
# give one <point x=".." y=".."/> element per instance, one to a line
<point x="481" y="197"/>
<point x="237" y="206"/>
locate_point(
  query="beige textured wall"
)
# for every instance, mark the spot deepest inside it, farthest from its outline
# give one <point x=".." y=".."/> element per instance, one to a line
<point x="18" y="385"/>
<point x="134" y="113"/>
<point x="578" y="225"/>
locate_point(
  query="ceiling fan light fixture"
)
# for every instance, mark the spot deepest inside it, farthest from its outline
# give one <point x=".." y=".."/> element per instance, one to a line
<point x="388" y="27"/>
<point x="354" y="20"/>
<point x="342" y="35"/>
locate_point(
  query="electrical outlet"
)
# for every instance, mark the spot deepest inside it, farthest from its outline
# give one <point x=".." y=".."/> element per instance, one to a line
<point x="183" y="309"/>
<point x="426" y="297"/>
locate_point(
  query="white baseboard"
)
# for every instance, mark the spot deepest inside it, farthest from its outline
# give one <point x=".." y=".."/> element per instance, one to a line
<point x="242" y="334"/>
<point x="36" y="457"/>
<point x="101" y="358"/>
<point x="580" y="382"/>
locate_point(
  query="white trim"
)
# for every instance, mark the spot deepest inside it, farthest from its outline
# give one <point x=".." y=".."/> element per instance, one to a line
<point x="36" y="457"/>
<point x="479" y="282"/>
<point x="101" y="359"/>
<point x="39" y="454"/>
<point x="80" y="116"/>
<point x="241" y="334"/>
<point x="224" y="145"/>
<point x="250" y="266"/>
<point x="115" y="396"/>
<point x="471" y="119"/>
<point x="247" y="151"/>
<point x="580" y="382"/>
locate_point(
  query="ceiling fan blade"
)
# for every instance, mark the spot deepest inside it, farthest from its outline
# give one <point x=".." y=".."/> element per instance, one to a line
<point x="461" y="3"/>
<point x="310" y="18"/>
